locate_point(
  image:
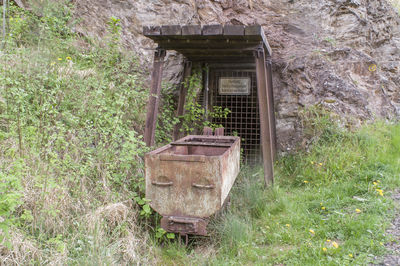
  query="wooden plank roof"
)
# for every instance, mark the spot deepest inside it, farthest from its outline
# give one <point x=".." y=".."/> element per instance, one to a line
<point x="210" y="42"/>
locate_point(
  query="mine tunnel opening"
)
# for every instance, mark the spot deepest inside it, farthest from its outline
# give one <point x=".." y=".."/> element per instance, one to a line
<point x="236" y="61"/>
<point x="243" y="119"/>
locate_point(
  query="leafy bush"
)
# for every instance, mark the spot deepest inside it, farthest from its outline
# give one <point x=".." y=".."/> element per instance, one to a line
<point x="71" y="124"/>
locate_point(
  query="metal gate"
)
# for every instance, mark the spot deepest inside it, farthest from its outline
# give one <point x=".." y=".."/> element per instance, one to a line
<point x="244" y="119"/>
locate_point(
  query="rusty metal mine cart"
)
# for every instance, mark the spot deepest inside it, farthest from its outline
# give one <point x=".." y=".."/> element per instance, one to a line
<point x="189" y="180"/>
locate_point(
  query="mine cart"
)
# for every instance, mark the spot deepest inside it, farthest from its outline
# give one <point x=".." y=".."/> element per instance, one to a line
<point x="189" y="180"/>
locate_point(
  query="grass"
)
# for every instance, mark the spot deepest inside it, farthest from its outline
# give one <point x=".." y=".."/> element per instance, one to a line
<point x="71" y="168"/>
<point x="324" y="209"/>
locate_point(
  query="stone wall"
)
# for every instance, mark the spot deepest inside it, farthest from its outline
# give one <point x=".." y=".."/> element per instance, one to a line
<point x="325" y="51"/>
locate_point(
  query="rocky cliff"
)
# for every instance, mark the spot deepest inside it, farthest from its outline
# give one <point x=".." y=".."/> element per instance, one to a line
<point x="342" y="54"/>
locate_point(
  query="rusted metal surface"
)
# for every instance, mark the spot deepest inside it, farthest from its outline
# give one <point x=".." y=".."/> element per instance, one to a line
<point x="154" y="97"/>
<point x="185" y="225"/>
<point x="191" y="177"/>
<point x="207" y="131"/>
<point x="219" y="131"/>
<point x="265" y="117"/>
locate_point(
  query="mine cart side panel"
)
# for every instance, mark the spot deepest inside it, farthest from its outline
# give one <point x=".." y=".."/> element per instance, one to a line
<point x="183" y="186"/>
<point x="230" y="167"/>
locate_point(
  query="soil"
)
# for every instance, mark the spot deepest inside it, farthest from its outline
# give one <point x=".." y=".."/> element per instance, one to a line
<point x="393" y="256"/>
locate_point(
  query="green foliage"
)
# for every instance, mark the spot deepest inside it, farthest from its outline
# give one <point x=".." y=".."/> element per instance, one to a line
<point x="10" y="196"/>
<point x="194" y="118"/>
<point x="48" y="21"/>
<point x="70" y="130"/>
<point x="162" y="235"/>
<point x="167" y="117"/>
<point x="328" y="201"/>
<point x="194" y="112"/>
<point x="217" y="112"/>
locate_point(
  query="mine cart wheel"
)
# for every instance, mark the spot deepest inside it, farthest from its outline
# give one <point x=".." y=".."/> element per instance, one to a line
<point x="186" y="241"/>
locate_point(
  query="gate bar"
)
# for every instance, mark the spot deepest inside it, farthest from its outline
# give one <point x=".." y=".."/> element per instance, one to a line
<point x="265" y="117"/>
<point x="154" y="97"/>
<point x="187" y="71"/>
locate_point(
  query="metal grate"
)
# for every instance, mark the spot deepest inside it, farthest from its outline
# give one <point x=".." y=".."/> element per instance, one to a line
<point x="244" y="120"/>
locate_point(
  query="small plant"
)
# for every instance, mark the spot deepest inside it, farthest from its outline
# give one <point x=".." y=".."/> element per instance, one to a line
<point x="194" y="118"/>
<point x="330" y="40"/>
<point x="144" y="204"/>
<point x="162" y="235"/>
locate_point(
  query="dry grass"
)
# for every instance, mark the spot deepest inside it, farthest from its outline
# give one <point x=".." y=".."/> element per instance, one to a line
<point x="24" y="250"/>
<point x="129" y="244"/>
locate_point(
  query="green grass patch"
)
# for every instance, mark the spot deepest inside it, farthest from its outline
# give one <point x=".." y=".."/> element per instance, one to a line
<point x="329" y="206"/>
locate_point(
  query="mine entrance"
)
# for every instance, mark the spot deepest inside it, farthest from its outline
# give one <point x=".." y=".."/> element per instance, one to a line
<point x="246" y="88"/>
<point x="237" y="91"/>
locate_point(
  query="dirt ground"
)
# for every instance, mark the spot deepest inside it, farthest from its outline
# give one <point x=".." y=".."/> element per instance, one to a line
<point x="393" y="258"/>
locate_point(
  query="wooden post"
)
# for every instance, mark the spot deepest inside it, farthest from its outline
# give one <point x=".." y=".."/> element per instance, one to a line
<point x="271" y="106"/>
<point x="265" y="117"/>
<point x="154" y="97"/>
<point x="182" y="97"/>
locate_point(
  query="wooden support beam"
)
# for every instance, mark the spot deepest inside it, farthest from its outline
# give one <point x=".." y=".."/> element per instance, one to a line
<point x="154" y="97"/>
<point x="171" y="30"/>
<point x="265" y="123"/>
<point x="271" y="105"/>
<point x="191" y="30"/>
<point x="256" y="32"/>
<point x="187" y="71"/>
<point x="151" y="31"/>
<point x="211" y="30"/>
<point x="233" y="30"/>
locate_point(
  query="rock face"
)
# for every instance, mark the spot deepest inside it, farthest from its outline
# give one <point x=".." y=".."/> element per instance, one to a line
<point x="342" y="54"/>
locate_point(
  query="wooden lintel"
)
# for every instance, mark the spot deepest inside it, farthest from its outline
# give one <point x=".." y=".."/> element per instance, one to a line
<point x="151" y="30"/>
<point x="214" y="35"/>
<point x="171" y="30"/>
<point x="210" y="30"/>
<point x="256" y="32"/>
<point x="233" y="30"/>
<point x="207" y="44"/>
<point x="253" y="30"/>
<point x="191" y="30"/>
